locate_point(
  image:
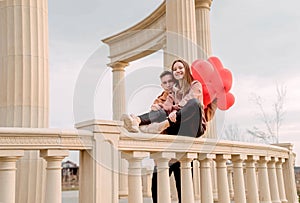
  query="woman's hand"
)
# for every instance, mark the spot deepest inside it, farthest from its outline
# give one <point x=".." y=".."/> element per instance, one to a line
<point x="155" y="107"/>
<point x="172" y="116"/>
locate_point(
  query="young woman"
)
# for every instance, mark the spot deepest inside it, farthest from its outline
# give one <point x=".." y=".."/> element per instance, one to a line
<point x="181" y="113"/>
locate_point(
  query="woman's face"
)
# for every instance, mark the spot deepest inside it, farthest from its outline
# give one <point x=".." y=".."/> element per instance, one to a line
<point x="178" y="71"/>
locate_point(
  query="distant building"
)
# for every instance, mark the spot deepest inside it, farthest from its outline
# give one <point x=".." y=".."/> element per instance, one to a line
<point x="70" y="175"/>
<point x="297" y="178"/>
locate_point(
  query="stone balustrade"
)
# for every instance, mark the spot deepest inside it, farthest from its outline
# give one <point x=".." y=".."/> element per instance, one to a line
<point x="245" y="172"/>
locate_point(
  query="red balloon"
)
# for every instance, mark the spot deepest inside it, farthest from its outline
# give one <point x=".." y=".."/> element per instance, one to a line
<point x="209" y="94"/>
<point x="215" y="61"/>
<point x="201" y="70"/>
<point x="225" y="101"/>
<point x="226" y="76"/>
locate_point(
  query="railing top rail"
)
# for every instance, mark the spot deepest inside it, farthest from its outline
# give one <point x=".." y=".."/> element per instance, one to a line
<point x="45" y="138"/>
<point x="155" y="143"/>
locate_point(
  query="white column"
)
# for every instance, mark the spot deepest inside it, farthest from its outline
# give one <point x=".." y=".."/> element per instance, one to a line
<point x="280" y="180"/>
<point x="53" y="176"/>
<point x="206" y="180"/>
<point x="119" y="107"/>
<point x="24" y="77"/>
<point x="119" y="100"/>
<point x="204" y="49"/>
<point x="238" y="178"/>
<point x="24" y="83"/>
<point x="252" y="187"/>
<point x="187" y="190"/>
<point x="223" y="190"/>
<point x="180" y="31"/>
<point x="8" y="168"/>
<point x="263" y="180"/>
<point x="163" y="181"/>
<point x="273" y="180"/>
<point x="203" y="28"/>
<point x="135" y="190"/>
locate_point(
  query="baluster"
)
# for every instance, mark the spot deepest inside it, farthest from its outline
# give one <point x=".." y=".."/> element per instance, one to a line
<point x="251" y="181"/>
<point x="187" y="190"/>
<point x="273" y="180"/>
<point x="8" y="169"/>
<point x="280" y="180"/>
<point x="263" y="180"/>
<point x="196" y="180"/>
<point x="135" y="190"/>
<point x="238" y="178"/>
<point x="53" y="174"/>
<point x="206" y="177"/>
<point x="163" y="181"/>
<point x="223" y="190"/>
<point x="230" y="182"/>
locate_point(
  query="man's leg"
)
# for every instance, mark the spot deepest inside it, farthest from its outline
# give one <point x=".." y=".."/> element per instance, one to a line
<point x="175" y="168"/>
<point x="154" y="185"/>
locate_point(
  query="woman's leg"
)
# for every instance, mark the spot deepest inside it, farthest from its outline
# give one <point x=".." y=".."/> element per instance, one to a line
<point x="188" y="120"/>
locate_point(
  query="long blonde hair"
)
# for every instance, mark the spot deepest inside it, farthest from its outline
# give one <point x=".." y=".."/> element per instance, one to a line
<point x="185" y="84"/>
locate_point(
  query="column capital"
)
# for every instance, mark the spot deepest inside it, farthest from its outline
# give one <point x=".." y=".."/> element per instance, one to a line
<point x="189" y="156"/>
<point x="238" y="157"/>
<point x="163" y="155"/>
<point x="203" y="4"/>
<point x="206" y="156"/>
<point x="47" y="153"/>
<point x="135" y="155"/>
<point x="118" y="65"/>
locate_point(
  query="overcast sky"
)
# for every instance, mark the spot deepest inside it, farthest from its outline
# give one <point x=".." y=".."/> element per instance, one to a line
<point x="257" y="40"/>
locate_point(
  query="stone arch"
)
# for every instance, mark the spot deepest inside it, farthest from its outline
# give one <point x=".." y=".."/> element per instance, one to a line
<point x="180" y="27"/>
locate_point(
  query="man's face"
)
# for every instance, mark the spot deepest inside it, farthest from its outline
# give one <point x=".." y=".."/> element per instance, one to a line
<point x="167" y="82"/>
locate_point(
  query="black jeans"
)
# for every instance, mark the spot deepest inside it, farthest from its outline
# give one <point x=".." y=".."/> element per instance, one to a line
<point x="175" y="168"/>
<point x="188" y="120"/>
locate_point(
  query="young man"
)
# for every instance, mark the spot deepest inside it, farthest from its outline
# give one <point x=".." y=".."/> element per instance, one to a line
<point x="167" y="83"/>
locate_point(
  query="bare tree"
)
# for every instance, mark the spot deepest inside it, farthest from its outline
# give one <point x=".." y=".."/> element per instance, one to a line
<point x="232" y="132"/>
<point x="272" y="122"/>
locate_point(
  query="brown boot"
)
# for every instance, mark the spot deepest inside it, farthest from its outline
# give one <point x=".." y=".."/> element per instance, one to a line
<point x="155" y="128"/>
<point x="130" y="123"/>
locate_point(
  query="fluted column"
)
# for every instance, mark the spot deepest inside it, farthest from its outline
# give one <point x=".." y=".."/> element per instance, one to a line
<point x="53" y="176"/>
<point x="238" y="178"/>
<point x="204" y="49"/>
<point x="203" y="28"/>
<point x="135" y="190"/>
<point x="223" y="190"/>
<point x="8" y="168"/>
<point x="24" y="77"/>
<point x="163" y="181"/>
<point x="251" y="180"/>
<point x="280" y="180"/>
<point x="119" y="107"/>
<point x="263" y="180"/>
<point x="180" y="31"/>
<point x="273" y="180"/>
<point x="24" y="83"/>
<point x="119" y="100"/>
<point x="187" y="190"/>
<point x="206" y="180"/>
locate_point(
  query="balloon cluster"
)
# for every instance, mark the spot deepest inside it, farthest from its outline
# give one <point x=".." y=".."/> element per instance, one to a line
<point x="216" y="82"/>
